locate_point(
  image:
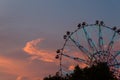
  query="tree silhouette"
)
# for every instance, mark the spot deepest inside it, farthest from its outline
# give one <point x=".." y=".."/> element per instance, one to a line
<point x="100" y="71"/>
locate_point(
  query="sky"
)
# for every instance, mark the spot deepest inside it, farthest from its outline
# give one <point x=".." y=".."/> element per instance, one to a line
<point x="32" y="30"/>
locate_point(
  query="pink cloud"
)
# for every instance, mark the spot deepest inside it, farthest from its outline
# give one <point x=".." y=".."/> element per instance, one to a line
<point x="20" y="68"/>
<point x="71" y="67"/>
<point x="22" y="78"/>
<point x="11" y="66"/>
<point x="32" y="48"/>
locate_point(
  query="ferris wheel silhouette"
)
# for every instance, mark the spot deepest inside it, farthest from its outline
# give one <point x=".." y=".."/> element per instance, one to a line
<point x="90" y="44"/>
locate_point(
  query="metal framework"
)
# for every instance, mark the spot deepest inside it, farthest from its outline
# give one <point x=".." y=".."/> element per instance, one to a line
<point x="96" y="51"/>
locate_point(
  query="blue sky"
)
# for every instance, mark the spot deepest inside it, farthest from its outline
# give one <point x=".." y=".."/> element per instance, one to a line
<point x="23" y="21"/>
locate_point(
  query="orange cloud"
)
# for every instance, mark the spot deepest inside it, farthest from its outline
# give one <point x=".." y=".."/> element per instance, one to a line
<point x="71" y="67"/>
<point x="21" y="69"/>
<point x="22" y="78"/>
<point x="11" y="66"/>
<point x="14" y="67"/>
<point x="33" y="49"/>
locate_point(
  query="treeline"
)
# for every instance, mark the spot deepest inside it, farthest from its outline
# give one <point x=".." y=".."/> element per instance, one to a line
<point x="96" y="72"/>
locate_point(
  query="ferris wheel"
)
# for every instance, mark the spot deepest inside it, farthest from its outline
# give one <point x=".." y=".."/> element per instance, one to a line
<point x="90" y="44"/>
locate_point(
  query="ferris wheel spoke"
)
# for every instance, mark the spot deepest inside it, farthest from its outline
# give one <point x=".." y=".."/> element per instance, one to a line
<point x="79" y="46"/>
<point x="75" y="58"/>
<point x="110" y="45"/>
<point x="100" y="41"/>
<point x="89" y="40"/>
<point x="115" y="55"/>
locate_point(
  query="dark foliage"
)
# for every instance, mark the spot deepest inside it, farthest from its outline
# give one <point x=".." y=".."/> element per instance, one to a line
<point x="96" y="72"/>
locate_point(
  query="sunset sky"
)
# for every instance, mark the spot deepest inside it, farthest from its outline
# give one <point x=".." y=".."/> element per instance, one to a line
<point x="32" y="30"/>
